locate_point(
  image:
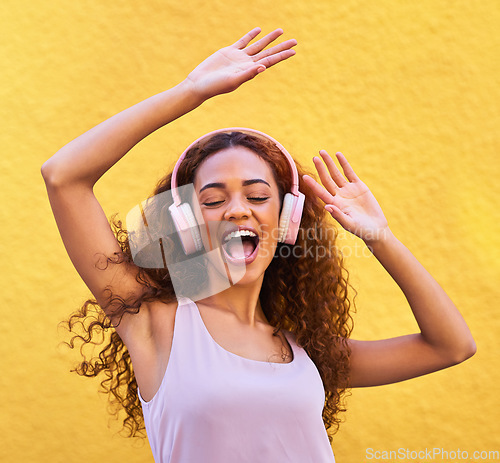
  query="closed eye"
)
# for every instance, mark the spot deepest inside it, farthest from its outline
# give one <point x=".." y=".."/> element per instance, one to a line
<point x="251" y="199"/>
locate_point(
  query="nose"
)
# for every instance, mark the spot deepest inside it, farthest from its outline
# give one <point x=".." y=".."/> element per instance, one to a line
<point x="237" y="208"/>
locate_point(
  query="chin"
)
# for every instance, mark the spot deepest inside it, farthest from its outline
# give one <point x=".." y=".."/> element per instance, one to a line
<point x="253" y="272"/>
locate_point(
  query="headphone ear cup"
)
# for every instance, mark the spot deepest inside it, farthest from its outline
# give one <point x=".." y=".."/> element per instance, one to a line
<point x="187" y="228"/>
<point x="286" y="212"/>
<point x="290" y="217"/>
<point x="193" y="226"/>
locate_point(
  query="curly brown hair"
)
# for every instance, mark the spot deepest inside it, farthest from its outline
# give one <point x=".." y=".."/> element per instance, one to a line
<point x="305" y="290"/>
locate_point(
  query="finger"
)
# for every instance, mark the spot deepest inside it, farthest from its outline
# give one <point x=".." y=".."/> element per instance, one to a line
<point x="346" y="167"/>
<point x="272" y="60"/>
<point x="250" y="73"/>
<point x="288" y="44"/>
<point x="263" y="42"/>
<point x="325" y="177"/>
<point x="320" y="191"/>
<point x="341" y="217"/>
<point x="247" y="38"/>
<point x="332" y="168"/>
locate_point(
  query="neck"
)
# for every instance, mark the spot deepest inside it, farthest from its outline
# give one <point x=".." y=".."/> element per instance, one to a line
<point x="242" y="301"/>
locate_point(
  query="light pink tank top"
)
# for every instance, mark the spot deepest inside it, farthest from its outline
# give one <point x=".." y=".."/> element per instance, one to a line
<point x="214" y="406"/>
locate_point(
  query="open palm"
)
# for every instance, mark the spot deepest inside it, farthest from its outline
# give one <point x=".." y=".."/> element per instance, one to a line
<point x="347" y="198"/>
<point x="229" y="67"/>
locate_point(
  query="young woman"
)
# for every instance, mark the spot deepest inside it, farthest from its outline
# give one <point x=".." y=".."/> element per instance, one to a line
<point x="254" y="370"/>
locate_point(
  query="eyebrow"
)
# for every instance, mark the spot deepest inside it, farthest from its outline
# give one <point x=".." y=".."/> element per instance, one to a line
<point x="244" y="183"/>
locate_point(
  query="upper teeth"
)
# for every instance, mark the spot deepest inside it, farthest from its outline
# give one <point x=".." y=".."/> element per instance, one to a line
<point x="238" y="234"/>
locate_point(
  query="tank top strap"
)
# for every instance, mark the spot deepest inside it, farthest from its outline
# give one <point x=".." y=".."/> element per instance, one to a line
<point x="192" y="344"/>
<point x="189" y="337"/>
<point x="189" y="321"/>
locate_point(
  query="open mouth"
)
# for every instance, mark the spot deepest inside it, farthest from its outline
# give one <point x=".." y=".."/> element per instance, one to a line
<point x="241" y="245"/>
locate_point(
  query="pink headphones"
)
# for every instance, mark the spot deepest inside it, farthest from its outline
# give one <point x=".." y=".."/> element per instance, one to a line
<point x="185" y="222"/>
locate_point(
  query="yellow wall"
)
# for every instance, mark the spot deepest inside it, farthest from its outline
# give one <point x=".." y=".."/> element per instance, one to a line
<point x="408" y="90"/>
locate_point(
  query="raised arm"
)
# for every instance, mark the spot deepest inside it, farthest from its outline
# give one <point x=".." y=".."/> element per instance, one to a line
<point x="88" y="157"/>
<point x="71" y="173"/>
<point x="444" y="337"/>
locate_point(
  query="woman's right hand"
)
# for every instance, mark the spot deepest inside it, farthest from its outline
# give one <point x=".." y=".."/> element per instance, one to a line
<point x="229" y="67"/>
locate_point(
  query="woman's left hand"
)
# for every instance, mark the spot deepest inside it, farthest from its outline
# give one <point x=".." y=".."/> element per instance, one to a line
<point x="348" y="199"/>
<point x="231" y="66"/>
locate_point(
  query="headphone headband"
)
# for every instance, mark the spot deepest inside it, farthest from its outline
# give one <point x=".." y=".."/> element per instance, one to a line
<point x="291" y="212"/>
<point x="295" y="176"/>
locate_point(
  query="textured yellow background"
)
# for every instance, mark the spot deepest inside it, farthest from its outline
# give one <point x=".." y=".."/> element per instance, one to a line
<point x="407" y="90"/>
